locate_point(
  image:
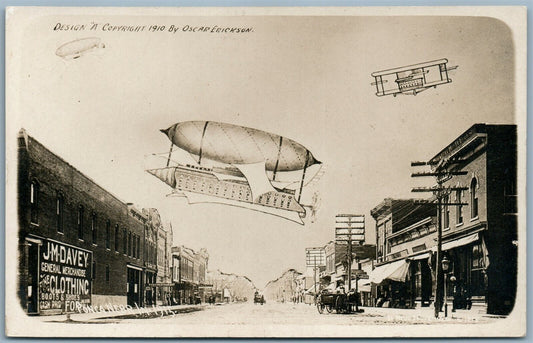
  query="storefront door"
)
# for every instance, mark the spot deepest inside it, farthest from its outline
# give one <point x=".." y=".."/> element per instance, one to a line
<point x="32" y="290"/>
<point x="134" y="287"/>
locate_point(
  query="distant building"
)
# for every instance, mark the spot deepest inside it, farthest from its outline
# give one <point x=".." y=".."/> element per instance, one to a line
<point x="78" y="243"/>
<point x="285" y="288"/>
<point x="159" y="285"/>
<point x="240" y="287"/>
<point x="336" y="270"/>
<point x="189" y="274"/>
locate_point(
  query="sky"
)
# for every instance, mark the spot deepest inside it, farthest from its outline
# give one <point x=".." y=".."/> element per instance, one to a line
<point x="306" y="78"/>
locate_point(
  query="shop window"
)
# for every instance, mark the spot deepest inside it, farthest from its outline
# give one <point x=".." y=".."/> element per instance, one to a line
<point x="477" y="256"/>
<point x="477" y="274"/>
<point x="473" y="198"/>
<point x="93" y="227"/>
<point x="34" y="202"/>
<point x="107" y="234"/>
<point x="94" y="270"/>
<point x="60" y="203"/>
<point x="107" y="272"/>
<point x="81" y="212"/>
<point x="418" y="279"/>
<point x="459" y="212"/>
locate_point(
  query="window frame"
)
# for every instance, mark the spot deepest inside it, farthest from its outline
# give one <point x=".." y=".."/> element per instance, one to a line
<point x="35" y="188"/>
<point x="117" y="238"/>
<point x="60" y="211"/>
<point x="474" y="199"/>
<point x="94" y="228"/>
<point x="459" y="218"/>
<point x="80" y="221"/>
<point x="108" y="234"/>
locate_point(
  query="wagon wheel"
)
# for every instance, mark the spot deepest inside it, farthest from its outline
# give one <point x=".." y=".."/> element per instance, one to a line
<point x="340" y="304"/>
<point x="329" y="308"/>
<point x="320" y="307"/>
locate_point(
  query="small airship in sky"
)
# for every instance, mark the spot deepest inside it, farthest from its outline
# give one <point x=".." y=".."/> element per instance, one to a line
<point x="78" y="47"/>
<point x="239" y="166"/>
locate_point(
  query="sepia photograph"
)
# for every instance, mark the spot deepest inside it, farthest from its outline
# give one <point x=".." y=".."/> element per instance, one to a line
<point x="266" y="172"/>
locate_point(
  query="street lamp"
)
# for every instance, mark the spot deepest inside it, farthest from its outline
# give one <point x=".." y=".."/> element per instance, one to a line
<point x="445" y="266"/>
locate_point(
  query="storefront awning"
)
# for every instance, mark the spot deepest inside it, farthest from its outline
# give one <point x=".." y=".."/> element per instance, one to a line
<point x="419" y="257"/>
<point x="311" y="290"/>
<point x="331" y="287"/>
<point x="458" y="242"/>
<point x="363" y="285"/>
<point x="395" y="271"/>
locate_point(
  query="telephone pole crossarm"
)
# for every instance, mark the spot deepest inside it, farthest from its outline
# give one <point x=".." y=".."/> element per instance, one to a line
<point x="445" y="173"/>
<point x="438" y="189"/>
<point x="434" y="163"/>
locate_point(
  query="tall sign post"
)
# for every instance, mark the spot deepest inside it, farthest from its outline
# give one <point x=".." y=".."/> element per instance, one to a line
<point x="442" y="174"/>
<point x="350" y="228"/>
<point x="315" y="257"/>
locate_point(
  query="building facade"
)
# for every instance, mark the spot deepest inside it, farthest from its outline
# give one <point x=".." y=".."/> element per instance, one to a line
<point x="189" y="272"/>
<point x="78" y="243"/>
<point x="405" y="236"/>
<point x="158" y="282"/>
<point x="477" y="175"/>
<point x="480" y="238"/>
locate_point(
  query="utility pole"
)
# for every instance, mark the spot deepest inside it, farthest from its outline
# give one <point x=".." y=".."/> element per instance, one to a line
<point x="315" y="257"/>
<point x="442" y="175"/>
<point x="314" y="274"/>
<point x="349" y="228"/>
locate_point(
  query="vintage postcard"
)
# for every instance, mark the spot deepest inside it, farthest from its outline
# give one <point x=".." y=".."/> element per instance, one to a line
<point x="266" y="172"/>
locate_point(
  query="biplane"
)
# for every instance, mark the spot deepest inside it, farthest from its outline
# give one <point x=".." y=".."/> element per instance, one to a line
<point x="412" y="79"/>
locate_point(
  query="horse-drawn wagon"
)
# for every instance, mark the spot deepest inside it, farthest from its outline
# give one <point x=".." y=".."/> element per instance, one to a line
<point x="340" y="302"/>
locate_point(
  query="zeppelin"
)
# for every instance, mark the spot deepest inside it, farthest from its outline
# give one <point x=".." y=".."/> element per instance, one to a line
<point x="234" y="144"/>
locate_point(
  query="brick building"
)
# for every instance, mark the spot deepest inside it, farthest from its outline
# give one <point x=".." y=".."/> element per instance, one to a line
<point x="77" y="242"/>
<point x="480" y="239"/>
<point x="405" y="235"/>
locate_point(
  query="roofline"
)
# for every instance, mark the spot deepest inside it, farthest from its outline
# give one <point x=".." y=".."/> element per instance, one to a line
<point x="458" y="140"/>
<point x="412" y="226"/>
<point x="25" y="135"/>
<point x="476" y="129"/>
<point x="389" y="202"/>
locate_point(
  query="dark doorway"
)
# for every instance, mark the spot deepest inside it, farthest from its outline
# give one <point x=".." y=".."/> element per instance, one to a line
<point x="134" y="287"/>
<point x="33" y="278"/>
